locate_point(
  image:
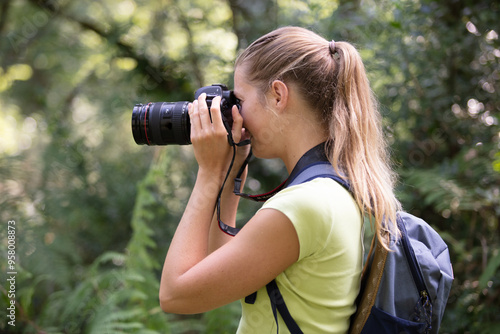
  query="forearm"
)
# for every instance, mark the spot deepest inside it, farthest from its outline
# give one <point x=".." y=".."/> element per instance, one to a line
<point x="228" y="211"/>
<point x="190" y="242"/>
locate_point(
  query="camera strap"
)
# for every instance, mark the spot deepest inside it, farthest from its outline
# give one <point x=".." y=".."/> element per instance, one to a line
<point x="230" y="230"/>
<point x="224" y="227"/>
<point x="313" y="161"/>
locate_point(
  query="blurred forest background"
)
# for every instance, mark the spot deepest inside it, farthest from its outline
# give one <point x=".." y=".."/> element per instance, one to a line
<point x="95" y="212"/>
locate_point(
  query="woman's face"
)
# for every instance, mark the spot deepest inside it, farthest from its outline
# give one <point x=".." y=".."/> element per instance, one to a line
<point x="259" y="121"/>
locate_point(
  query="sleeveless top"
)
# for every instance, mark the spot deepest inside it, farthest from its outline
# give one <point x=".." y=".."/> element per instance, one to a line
<point x="319" y="289"/>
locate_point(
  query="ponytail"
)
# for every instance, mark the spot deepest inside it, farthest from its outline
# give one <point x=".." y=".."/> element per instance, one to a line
<point x="357" y="145"/>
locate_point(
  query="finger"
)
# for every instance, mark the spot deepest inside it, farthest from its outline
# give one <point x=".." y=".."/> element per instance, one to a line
<point x="237" y="124"/>
<point x="203" y="112"/>
<point x="194" y="117"/>
<point x="216" y="113"/>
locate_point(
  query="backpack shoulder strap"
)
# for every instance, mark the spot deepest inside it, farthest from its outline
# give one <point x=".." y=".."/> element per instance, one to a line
<point x="278" y="304"/>
<point x="315" y="170"/>
<point x="370" y="283"/>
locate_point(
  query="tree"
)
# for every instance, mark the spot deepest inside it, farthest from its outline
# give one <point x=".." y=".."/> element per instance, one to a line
<point x="94" y="212"/>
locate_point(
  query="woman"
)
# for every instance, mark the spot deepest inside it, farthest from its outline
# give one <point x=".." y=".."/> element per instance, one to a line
<point x="299" y="93"/>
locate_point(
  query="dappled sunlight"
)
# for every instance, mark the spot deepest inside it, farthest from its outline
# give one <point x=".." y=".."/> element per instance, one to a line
<point x="95" y="212"/>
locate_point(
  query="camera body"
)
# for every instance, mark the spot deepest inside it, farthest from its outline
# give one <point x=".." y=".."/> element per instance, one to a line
<point x="165" y="123"/>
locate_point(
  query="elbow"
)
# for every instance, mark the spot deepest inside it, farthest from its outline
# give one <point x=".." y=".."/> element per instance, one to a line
<point x="171" y="306"/>
<point x="166" y="305"/>
<point x="170" y="303"/>
<point x="167" y="302"/>
<point x="178" y="298"/>
<point x="168" y="297"/>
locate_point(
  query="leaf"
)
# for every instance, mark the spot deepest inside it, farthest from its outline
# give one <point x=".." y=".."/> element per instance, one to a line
<point x="396" y="24"/>
<point x="490" y="271"/>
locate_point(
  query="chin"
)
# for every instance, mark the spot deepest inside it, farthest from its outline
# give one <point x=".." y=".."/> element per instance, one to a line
<point x="260" y="151"/>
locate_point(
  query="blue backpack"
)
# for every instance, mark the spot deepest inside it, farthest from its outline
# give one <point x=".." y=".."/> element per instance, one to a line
<point x="405" y="290"/>
<point x="402" y="291"/>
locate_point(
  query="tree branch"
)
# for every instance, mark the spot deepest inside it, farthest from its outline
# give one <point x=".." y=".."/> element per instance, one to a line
<point x="3" y="14"/>
<point x="236" y="9"/>
<point x="193" y="56"/>
<point x="145" y="65"/>
<point x="246" y="13"/>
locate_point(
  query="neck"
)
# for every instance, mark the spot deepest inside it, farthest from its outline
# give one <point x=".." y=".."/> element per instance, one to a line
<point x="304" y="130"/>
<point x="300" y="130"/>
<point x="295" y="149"/>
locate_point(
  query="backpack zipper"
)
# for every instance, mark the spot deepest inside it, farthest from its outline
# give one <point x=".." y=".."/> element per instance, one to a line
<point x="425" y="298"/>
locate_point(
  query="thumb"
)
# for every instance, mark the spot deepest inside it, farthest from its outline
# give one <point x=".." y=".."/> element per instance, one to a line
<point x="237" y="124"/>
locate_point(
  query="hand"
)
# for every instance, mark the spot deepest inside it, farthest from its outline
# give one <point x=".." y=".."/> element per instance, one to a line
<point x="209" y="136"/>
<point x="239" y="134"/>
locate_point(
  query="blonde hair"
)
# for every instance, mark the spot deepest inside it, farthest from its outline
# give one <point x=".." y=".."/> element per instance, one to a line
<point x="331" y="77"/>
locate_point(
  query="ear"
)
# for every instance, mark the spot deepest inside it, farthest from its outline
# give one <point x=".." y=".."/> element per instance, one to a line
<point x="279" y="95"/>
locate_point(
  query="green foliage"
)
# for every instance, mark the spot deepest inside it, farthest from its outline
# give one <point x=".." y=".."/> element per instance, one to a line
<point x="95" y="213"/>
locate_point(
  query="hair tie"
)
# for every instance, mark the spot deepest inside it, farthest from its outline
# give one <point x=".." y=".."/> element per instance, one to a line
<point x="331" y="45"/>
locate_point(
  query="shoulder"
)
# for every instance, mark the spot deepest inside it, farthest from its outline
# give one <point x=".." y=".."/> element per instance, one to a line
<point x="317" y="209"/>
<point x="319" y="196"/>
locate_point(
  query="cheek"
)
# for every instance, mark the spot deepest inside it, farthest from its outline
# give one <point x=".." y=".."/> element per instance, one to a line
<point x="246" y="114"/>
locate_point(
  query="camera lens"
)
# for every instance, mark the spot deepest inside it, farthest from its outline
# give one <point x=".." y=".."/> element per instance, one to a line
<point x="161" y="123"/>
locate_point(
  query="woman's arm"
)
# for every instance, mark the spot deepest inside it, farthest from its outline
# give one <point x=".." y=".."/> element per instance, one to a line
<point x="195" y="280"/>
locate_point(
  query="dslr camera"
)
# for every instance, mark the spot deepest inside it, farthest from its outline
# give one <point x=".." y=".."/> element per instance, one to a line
<point x="165" y="123"/>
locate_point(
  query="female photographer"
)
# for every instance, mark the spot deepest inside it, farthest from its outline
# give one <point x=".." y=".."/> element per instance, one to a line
<point x="302" y="98"/>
